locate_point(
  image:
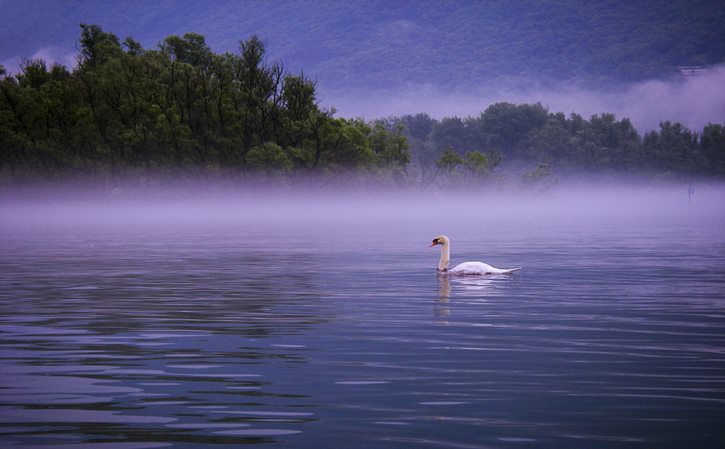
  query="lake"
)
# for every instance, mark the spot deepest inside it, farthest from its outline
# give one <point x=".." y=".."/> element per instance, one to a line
<point x="309" y="322"/>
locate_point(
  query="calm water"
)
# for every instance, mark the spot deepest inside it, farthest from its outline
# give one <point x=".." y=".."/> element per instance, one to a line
<point x="308" y="325"/>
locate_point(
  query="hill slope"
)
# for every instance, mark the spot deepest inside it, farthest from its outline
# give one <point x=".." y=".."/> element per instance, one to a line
<point x="383" y="44"/>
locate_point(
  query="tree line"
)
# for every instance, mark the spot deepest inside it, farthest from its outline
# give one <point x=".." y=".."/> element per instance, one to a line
<point x="126" y="111"/>
<point x="130" y="111"/>
<point x="528" y="136"/>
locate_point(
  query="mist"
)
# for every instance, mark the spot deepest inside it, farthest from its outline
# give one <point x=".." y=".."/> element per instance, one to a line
<point x="693" y="101"/>
<point x="51" y="54"/>
<point x="353" y="211"/>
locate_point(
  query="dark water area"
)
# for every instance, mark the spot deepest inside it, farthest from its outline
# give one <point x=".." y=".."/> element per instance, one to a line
<point x="319" y="322"/>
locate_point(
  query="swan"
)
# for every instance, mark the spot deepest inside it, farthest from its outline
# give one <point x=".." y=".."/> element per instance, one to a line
<point x="466" y="267"/>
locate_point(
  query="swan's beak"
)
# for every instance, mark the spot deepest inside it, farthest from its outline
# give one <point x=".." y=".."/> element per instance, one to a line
<point x="433" y="244"/>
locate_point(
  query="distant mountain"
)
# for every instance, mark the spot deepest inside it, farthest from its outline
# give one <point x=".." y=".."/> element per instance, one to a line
<point x="381" y="43"/>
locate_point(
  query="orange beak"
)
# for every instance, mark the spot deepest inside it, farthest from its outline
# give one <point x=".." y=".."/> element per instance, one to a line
<point x="433" y="244"/>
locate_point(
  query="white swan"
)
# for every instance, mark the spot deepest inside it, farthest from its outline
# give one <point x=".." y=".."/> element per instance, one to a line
<point x="466" y="267"/>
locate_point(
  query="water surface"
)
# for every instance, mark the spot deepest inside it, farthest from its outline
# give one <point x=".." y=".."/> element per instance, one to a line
<point x="311" y="323"/>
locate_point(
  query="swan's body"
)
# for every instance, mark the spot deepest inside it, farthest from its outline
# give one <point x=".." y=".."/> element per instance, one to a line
<point x="480" y="268"/>
<point x="475" y="268"/>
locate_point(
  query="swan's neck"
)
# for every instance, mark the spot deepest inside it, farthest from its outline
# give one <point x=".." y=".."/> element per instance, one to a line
<point x="445" y="257"/>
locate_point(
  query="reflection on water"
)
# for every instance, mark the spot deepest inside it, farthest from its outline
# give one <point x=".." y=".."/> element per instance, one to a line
<point x="227" y="335"/>
<point x="477" y="288"/>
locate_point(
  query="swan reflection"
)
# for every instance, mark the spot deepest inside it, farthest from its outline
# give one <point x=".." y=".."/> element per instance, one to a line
<point x="470" y="288"/>
<point x="466" y="285"/>
<point x="444" y="286"/>
<point x="441" y="307"/>
<point x="476" y="285"/>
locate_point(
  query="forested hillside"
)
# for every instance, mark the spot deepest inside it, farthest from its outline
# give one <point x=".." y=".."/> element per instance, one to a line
<point x="378" y="43"/>
<point x="129" y="112"/>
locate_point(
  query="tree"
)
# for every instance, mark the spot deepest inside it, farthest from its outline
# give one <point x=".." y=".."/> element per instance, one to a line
<point x="390" y="148"/>
<point x="673" y="149"/>
<point x="506" y="126"/>
<point x="615" y="143"/>
<point x="97" y="46"/>
<point x="260" y="95"/>
<point x="190" y="49"/>
<point x="417" y="131"/>
<point x="449" y="160"/>
<point x="480" y="166"/>
<point x="451" y="132"/>
<point x="712" y="146"/>
<point x="269" y="158"/>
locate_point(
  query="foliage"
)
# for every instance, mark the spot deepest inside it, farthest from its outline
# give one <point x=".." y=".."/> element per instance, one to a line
<point x="472" y="170"/>
<point x="712" y="145"/>
<point x="269" y="157"/>
<point x="125" y="109"/>
<point x="449" y="160"/>
<point x="540" y="177"/>
<point x="527" y="134"/>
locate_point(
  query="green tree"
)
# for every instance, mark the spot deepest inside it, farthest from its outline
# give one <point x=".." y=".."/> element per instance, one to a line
<point x="712" y="145"/>
<point x="614" y="143"/>
<point x="450" y="132"/>
<point x="269" y="158"/>
<point x="506" y="126"/>
<point x="190" y="49"/>
<point x="97" y="46"/>
<point x="390" y="148"/>
<point x="417" y="131"/>
<point x="347" y="145"/>
<point x="673" y="149"/>
<point x="261" y="93"/>
<point x="449" y="160"/>
<point x="480" y="165"/>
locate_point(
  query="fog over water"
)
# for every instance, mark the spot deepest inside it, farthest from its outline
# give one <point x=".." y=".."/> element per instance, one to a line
<point x="350" y="213"/>
<point x="219" y="317"/>
<point x="207" y="203"/>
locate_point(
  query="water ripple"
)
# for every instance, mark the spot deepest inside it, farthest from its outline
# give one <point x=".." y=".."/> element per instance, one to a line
<point x="193" y="338"/>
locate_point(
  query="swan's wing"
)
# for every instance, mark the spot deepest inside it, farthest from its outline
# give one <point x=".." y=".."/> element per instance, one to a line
<point x="480" y="268"/>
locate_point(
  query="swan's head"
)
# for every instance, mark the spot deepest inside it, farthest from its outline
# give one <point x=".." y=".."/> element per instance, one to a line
<point x="440" y="240"/>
